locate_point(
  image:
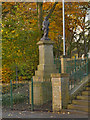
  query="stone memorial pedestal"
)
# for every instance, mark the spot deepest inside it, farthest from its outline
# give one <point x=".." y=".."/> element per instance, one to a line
<point x="41" y="80"/>
<point x="46" y="61"/>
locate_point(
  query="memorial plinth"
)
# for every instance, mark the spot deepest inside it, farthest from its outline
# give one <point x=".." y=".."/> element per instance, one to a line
<point x="46" y="61"/>
<point x="41" y="80"/>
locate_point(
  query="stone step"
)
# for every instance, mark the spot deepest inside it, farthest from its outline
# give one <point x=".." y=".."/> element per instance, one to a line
<point x="88" y="88"/>
<point x="47" y="67"/>
<point x="37" y="79"/>
<point x="86" y="93"/>
<point x="75" y="111"/>
<point x="83" y="97"/>
<point x="78" y="107"/>
<point x="81" y="102"/>
<point x="43" y="73"/>
<point x="40" y="79"/>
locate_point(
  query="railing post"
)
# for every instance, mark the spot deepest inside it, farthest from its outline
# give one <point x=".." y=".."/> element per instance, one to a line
<point x="11" y="97"/>
<point x="32" y="105"/>
<point x="87" y="65"/>
<point x="59" y="68"/>
<point x="75" y="71"/>
<point x="28" y="94"/>
<point x="54" y="59"/>
<point x="75" y="63"/>
<point x="59" y="63"/>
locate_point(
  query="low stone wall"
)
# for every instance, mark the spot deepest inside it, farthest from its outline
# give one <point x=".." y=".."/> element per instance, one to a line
<point x="42" y="92"/>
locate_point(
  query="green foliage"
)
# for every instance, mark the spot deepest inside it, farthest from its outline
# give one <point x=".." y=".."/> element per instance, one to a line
<point x="17" y="98"/>
<point x="19" y="47"/>
<point x="21" y="33"/>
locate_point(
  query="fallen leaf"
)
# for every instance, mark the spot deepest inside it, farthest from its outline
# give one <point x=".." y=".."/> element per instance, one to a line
<point x="68" y="112"/>
<point x="10" y="114"/>
<point x="63" y="112"/>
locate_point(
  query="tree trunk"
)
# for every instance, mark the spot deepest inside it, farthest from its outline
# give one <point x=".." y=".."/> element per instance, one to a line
<point x="40" y="16"/>
<point x="85" y="51"/>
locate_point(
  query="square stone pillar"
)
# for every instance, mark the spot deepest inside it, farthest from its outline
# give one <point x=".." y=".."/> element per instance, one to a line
<point x="63" y="64"/>
<point x="60" y="91"/>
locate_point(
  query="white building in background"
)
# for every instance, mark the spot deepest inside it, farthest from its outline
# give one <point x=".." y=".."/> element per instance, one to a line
<point x="88" y="54"/>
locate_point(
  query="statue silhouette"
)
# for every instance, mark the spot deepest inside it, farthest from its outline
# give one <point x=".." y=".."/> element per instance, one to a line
<point x="45" y="28"/>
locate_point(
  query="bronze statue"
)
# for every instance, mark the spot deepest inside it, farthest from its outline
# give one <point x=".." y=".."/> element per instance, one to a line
<point x="45" y="29"/>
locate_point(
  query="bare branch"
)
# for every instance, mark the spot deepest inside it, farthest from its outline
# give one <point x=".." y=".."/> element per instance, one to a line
<point x="51" y="10"/>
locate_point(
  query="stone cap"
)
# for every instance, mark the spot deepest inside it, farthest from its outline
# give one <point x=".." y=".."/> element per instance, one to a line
<point x="59" y="75"/>
<point x="44" y="42"/>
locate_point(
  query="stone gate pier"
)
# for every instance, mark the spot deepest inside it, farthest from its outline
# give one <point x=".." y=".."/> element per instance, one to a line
<point x="41" y="81"/>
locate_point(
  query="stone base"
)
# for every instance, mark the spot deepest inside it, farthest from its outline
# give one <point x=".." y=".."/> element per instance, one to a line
<point x="41" y="92"/>
<point x="41" y="80"/>
<point x="46" y="61"/>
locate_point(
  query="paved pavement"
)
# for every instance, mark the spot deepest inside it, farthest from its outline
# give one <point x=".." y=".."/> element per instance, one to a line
<point x="37" y="114"/>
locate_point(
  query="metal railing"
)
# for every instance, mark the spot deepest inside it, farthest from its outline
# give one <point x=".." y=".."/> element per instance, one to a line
<point x="78" y="73"/>
<point x="57" y="61"/>
<point x="40" y="95"/>
<point x="15" y="96"/>
<point x="74" y="64"/>
<point x="77" y="68"/>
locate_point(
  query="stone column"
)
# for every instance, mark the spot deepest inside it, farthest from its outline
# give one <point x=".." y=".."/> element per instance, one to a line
<point x="63" y="64"/>
<point x="60" y="91"/>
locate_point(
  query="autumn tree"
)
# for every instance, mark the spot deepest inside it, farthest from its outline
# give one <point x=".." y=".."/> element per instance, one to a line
<point x="19" y="39"/>
<point x="22" y="25"/>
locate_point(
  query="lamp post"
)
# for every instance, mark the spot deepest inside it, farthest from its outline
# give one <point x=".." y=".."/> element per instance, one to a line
<point x="63" y="29"/>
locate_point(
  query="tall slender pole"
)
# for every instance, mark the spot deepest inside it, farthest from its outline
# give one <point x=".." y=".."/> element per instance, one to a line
<point x="32" y="105"/>
<point x="11" y="97"/>
<point x="63" y="29"/>
<point x="87" y="65"/>
<point x="16" y="76"/>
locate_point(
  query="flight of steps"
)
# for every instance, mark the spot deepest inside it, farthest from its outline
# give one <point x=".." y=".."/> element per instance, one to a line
<point x="82" y="102"/>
